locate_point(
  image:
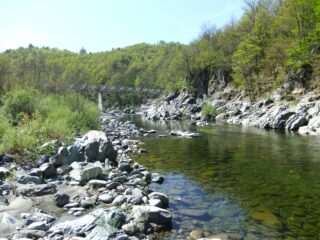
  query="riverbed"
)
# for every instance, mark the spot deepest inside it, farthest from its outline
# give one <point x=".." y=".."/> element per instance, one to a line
<point x="244" y="183"/>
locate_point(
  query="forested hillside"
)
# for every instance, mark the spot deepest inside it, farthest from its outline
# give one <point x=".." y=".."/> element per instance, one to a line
<point x="275" y="41"/>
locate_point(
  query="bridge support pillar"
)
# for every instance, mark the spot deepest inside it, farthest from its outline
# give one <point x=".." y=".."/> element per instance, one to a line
<point x="100" y="103"/>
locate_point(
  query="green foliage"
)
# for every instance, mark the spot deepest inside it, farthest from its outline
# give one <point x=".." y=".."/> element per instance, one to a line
<point x="272" y="37"/>
<point x="208" y="111"/>
<point x="20" y="102"/>
<point x="29" y="118"/>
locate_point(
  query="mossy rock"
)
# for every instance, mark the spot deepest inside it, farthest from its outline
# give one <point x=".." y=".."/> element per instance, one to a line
<point x="266" y="218"/>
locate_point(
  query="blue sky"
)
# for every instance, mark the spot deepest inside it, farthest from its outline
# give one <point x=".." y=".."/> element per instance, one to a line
<point x="100" y="25"/>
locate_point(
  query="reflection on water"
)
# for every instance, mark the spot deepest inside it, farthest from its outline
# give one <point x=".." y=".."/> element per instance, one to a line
<point x="246" y="182"/>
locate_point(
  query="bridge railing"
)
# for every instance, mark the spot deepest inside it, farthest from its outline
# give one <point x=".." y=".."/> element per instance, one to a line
<point x="101" y="88"/>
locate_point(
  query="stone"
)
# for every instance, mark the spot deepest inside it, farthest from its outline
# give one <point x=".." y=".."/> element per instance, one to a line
<point x="106" y="198"/>
<point x="43" y="226"/>
<point x="25" y="179"/>
<point x="88" y="202"/>
<point x="8" y="219"/>
<point x="296" y="121"/>
<point x="266" y="218"/>
<point x="61" y="199"/>
<point x="33" y="234"/>
<point x="4" y="173"/>
<point x="112" y="185"/>
<point x="155" y="202"/>
<point x="89" y="172"/>
<point x="44" y="158"/>
<point x="48" y="170"/>
<point x="164" y="200"/>
<point x="36" y="190"/>
<point x="196" y="234"/>
<point x="4" y="201"/>
<point x="150" y="214"/>
<point x="38" y="217"/>
<point x="63" y="169"/>
<point x="124" y="166"/>
<point x="62" y="157"/>
<point x="97" y="147"/>
<point x="120" y="199"/>
<point x="95" y="183"/>
<point x="184" y="134"/>
<point x="155" y="177"/>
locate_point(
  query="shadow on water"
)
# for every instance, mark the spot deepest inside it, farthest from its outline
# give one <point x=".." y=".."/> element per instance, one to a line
<point x="246" y="182"/>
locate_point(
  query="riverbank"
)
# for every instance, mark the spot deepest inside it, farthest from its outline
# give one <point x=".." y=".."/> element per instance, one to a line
<point x="297" y="111"/>
<point x="90" y="189"/>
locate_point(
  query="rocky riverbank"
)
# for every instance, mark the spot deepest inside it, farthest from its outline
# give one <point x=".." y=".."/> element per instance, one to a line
<point x="298" y="112"/>
<point x="90" y="189"/>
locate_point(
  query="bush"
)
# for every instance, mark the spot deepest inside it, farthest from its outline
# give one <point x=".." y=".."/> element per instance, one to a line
<point x="28" y="119"/>
<point x="20" y="102"/>
<point x="208" y="111"/>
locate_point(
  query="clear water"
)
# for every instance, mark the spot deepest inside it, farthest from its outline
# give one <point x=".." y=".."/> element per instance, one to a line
<point x="243" y="182"/>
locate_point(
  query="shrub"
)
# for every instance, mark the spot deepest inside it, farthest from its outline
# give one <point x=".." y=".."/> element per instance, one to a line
<point x="29" y="118"/>
<point x="207" y="111"/>
<point x="20" y="102"/>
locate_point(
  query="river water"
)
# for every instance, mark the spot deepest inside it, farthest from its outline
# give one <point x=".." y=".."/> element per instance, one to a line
<point x="242" y="182"/>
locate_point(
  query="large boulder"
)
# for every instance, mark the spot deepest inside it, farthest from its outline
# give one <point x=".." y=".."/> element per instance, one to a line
<point x="97" y="147"/>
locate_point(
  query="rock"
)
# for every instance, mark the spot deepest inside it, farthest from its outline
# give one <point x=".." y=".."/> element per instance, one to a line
<point x="95" y="183"/>
<point x="106" y="198"/>
<point x="48" y="170"/>
<point x="124" y="166"/>
<point x="155" y="203"/>
<point x="43" y="226"/>
<point x="4" y="173"/>
<point x="296" y="121"/>
<point x="38" y="217"/>
<point x="184" y="134"/>
<point x="36" y="190"/>
<point x="141" y="151"/>
<point x="44" y="158"/>
<point x="88" y="202"/>
<point x="155" y="177"/>
<point x="62" y="157"/>
<point x="115" y="219"/>
<point x="4" y="201"/>
<point x="89" y="172"/>
<point x="313" y="127"/>
<point x="164" y="200"/>
<point x="61" y="199"/>
<point x="196" y="234"/>
<point x="150" y="214"/>
<point x="120" y="199"/>
<point x="32" y="234"/>
<point x="25" y="179"/>
<point x="195" y="213"/>
<point x="8" y="219"/>
<point x="97" y="147"/>
<point x="280" y="119"/>
<point x="112" y="185"/>
<point x="266" y="218"/>
<point x="63" y="169"/>
<point x="7" y="158"/>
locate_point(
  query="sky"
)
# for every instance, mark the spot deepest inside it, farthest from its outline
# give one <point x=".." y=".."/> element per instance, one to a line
<point x="101" y="25"/>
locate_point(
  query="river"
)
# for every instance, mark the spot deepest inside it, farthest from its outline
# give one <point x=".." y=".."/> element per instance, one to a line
<point x="244" y="183"/>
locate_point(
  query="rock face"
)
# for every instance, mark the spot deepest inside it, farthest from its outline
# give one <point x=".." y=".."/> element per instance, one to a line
<point x="234" y="108"/>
